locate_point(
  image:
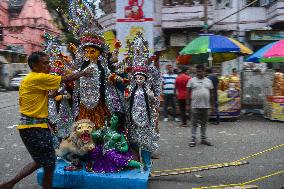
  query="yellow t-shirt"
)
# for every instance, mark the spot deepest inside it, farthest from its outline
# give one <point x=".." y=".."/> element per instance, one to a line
<point x="33" y="96"/>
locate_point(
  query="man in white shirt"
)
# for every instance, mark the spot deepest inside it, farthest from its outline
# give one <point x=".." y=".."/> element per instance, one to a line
<point x="202" y="98"/>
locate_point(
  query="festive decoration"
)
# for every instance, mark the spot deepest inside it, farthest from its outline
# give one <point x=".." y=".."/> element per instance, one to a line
<point x="83" y="24"/>
<point x="60" y="112"/>
<point x="214" y="48"/>
<point x="142" y="99"/>
<point x="97" y="96"/>
<point x="112" y="152"/>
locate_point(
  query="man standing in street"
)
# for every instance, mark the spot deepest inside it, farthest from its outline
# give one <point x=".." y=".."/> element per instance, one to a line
<point x="182" y="96"/>
<point x="213" y="77"/>
<point x="33" y="128"/>
<point x="169" y="80"/>
<point x="201" y="89"/>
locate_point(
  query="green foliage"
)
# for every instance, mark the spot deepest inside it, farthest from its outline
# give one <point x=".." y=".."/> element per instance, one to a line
<point x="57" y="8"/>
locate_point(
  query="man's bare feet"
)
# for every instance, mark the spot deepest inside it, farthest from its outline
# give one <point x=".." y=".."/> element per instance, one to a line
<point x="6" y="185"/>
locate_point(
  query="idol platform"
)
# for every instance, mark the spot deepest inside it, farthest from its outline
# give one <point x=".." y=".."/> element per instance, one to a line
<point x="127" y="179"/>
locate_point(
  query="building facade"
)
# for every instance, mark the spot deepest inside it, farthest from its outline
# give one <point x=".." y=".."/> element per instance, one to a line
<point x="22" y="24"/>
<point x="177" y="22"/>
<point x="4" y="20"/>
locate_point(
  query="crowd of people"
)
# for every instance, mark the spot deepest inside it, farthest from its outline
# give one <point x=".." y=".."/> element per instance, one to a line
<point x="196" y="97"/>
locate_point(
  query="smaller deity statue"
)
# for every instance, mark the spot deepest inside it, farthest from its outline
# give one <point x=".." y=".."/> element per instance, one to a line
<point x="142" y="100"/>
<point x="60" y="103"/>
<point x="112" y="152"/>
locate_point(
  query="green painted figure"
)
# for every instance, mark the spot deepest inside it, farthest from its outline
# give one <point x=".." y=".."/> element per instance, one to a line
<point x="112" y="152"/>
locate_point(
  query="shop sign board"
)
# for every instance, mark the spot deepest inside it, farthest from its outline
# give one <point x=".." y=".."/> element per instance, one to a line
<point x="266" y="35"/>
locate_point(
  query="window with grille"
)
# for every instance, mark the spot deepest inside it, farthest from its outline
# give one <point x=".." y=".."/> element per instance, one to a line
<point x="180" y="2"/>
<point x="221" y="4"/>
<point x="260" y="3"/>
<point x="255" y="4"/>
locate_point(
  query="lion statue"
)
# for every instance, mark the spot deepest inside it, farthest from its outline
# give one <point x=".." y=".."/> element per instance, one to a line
<point x="79" y="142"/>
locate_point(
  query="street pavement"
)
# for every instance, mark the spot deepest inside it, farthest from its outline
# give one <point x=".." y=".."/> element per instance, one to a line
<point x="232" y="140"/>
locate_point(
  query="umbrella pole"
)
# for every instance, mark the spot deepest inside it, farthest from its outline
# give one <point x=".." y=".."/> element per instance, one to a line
<point x="210" y="60"/>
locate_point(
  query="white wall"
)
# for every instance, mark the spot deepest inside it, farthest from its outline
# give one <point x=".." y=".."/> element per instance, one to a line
<point x="275" y="13"/>
<point x="249" y="18"/>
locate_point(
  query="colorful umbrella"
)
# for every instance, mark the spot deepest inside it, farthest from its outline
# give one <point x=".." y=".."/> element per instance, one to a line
<point x="273" y="52"/>
<point x="212" y="47"/>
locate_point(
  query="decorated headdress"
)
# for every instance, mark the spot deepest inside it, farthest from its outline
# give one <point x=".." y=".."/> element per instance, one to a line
<point x="140" y="61"/>
<point x="138" y="54"/>
<point x="83" y="24"/>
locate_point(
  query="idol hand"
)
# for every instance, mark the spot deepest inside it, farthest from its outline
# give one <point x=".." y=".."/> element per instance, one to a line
<point x="88" y="71"/>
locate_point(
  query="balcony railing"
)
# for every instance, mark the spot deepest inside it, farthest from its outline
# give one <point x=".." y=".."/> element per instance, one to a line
<point x="275" y="13"/>
<point x="181" y="2"/>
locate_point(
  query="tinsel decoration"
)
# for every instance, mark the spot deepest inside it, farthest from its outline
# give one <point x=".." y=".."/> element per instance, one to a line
<point x="142" y="107"/>
<point x="83" y="24"/>
<point x="138" y="52"/>
<point x="140" y="62"/>
<point x="59" y="63"/>
<point x="60" y="113"/>
<point x="51" y="46"/>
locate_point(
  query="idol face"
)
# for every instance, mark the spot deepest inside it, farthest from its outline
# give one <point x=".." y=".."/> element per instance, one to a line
<point x="139" y="79"/>
<point x="92" y="53"/>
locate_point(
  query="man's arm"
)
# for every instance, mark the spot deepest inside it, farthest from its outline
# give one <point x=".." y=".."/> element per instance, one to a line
<point x="163" y="82"/>
<point x="189" y="96"/>
<point x="75" y="76"/>
<point x="175" y="87"/>
<point x="189" y="90"/>
<point x="212" y="98"/>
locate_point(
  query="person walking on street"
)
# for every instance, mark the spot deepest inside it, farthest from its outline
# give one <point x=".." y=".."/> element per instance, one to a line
<point x="169" y="92"/>
<point x="33" y="128"/>
<point x="215" y="81"/>
<point x="181" y="93"/>
<point x="201" y="89"/>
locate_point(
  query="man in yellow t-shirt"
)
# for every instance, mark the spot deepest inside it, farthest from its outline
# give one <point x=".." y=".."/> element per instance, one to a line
<point x="33" y="128"/>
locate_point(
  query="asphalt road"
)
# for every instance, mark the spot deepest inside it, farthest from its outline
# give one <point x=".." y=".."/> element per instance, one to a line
<point x="232" y="140"/>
